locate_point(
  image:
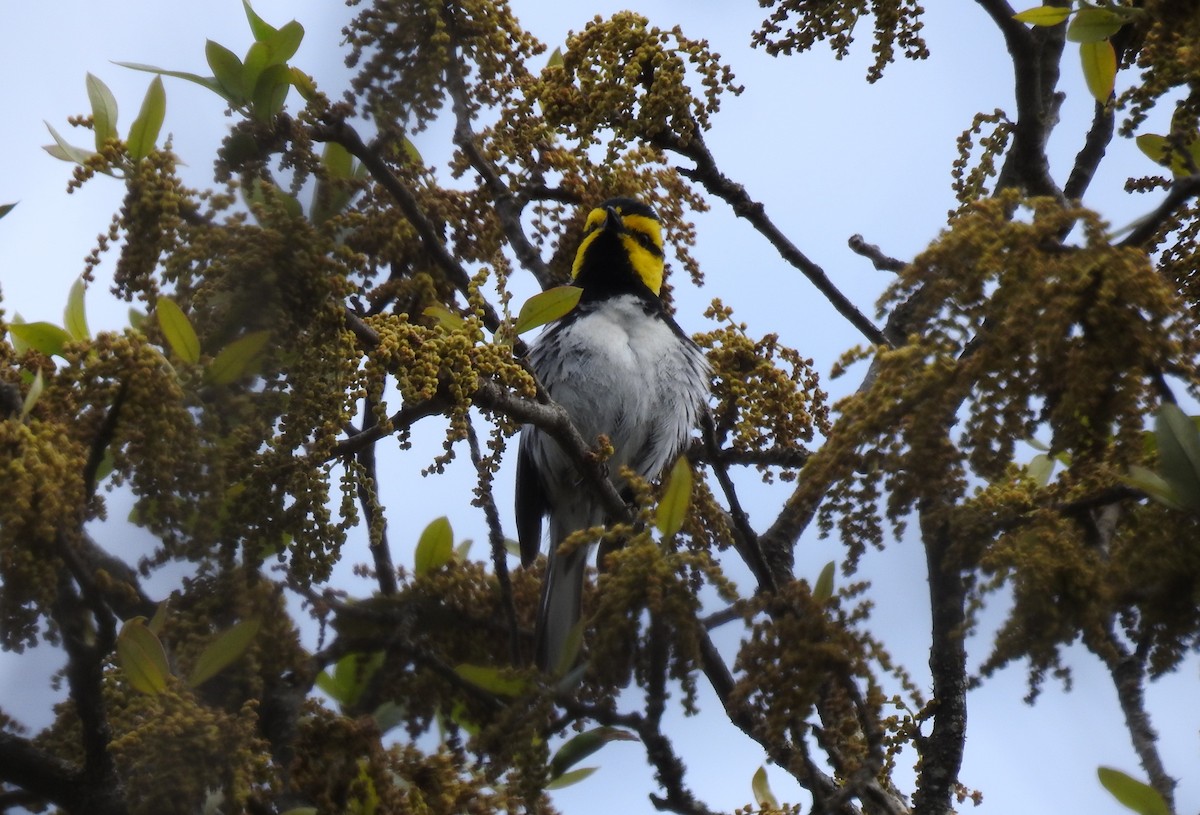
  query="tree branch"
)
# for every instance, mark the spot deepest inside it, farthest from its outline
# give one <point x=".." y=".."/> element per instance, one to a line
<point x="1181" y="191"/>
<point x="1092" y="153"/>
<point x="485" y="500"/>
<point x="707" y="174"/>
<point x="368" y="498"/>
<point x="339" y="131"/>
<point x="508" y="208"/>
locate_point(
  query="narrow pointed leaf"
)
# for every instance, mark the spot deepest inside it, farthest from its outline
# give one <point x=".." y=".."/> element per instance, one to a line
<point x="571" y="777"/>
<point x="141" y="657"/>
<point x="143" y="133"/>
<point x="258" y="57"/>
<point x="75" y="315"/>
<point x="493" y="680"/>
<point x="227" y="69"/>
<point x="224" y="651"/>
<point x="436" y="546"/>
<point x="565" y="667"/>
<point x="547" y="306"/>
<point x="237" y="359"/>
<point x="762" y="790"/>
<point x="1141" y="798"/>
<point x="178" y="331"/>
<point x="104" y="110"/>
<point x="556" y="58"/>
<point x="45" y="337"/>
<point x="1043" y="15"/>
<point x="1179" y="454"/>
<point x="35" y="392"/>
<point x="823" y="589"/>
<point x="66" y="152"/>
<point x="1099" y="68"/>
<point x="583" y="745"/>
<point x="6" y="208"/>
<point x="258" y="26"/>
<point x="1153" y="485"/>
<point x="209" y="82"/>
<point x="677" y="496"/>
<point x="160" y="617"/>
<point x="1094" y="24"/>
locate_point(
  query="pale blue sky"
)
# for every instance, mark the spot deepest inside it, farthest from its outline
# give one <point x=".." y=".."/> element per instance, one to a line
<point x="827" y="154"/>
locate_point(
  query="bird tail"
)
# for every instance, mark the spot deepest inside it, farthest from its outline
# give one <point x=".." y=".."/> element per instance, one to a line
<point x="561" y="607"/>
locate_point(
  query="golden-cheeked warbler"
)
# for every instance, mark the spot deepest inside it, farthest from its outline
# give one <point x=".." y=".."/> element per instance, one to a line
<point x="620" y="366"/>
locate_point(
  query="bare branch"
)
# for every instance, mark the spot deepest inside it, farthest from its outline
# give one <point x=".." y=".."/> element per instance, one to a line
<point x="487" y="501"/>
<point x="707" y="174"/>
<point x="884" y="263"/>
<point x="368" y="498"/>
<point x="1092" y="153"/>
<point x="1181" y="191"/>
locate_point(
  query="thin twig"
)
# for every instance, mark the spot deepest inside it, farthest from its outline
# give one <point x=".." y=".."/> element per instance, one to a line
<point x="707" y="174"/>
<point x="884" y="263"/>
<point x="1181" y="191"/>
<point x="368" y="498"/>
<point x="487" y="501"/>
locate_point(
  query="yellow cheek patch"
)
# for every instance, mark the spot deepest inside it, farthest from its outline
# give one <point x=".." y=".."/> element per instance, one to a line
<point x="649" y="266"/>
<point x="647" y="226"/>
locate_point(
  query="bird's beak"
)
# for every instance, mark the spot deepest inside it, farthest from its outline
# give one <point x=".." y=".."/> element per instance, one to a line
<point x="613" y="221"/>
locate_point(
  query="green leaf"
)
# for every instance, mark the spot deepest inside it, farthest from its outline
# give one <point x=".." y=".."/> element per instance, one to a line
<point x="547" y="306"/>
<point x="1040" y="468"/>
<point x="1141" y="798"/>
<point x="66" y="152"/>
<point x="556" y="59"/>
<point x="143" y="133"/>
<point x="227" y="70"/>
<point x="258" y="27"/>
<point x="284" y="43"/>
<point x="411" y="151"/>
<point x="104" y="110"/>
<point x="270" y="93"/>
<point x="350" y="677"/>
<point x="258" y="57"/>
<point x="1099" y="68"/>
<point x="1159" y="149"/>
<point x="160" y="617"/>
<point x="177" y="330"/>
<point x="209" y="82"/>
<point x="1093" y="24"/>
<point x="677" y="496"/>
<point x="583" y="745"/>
<point x="493" y="680"/>
<point x="436" y="547"/>
<point x="446" y="318"/>
<point x="304" y="84"/>
<point x="1153" y="485"/>
<point x="762" y="790"/>
<point x="74" y="316"/>
<point x="569" y="778"/>
<point x="338" y="161"/>
<point x="237" y="359"/>
<point x="141" y="657"/>
<point x="137" y="318"/>
<point x="224" y="650"/>
<point x="823" y="589"/>
<point x="45" y="337"/>
<point x="1043" y="15"/>
<point x="1179" y="454"/>
<point x="6" y="208"/>
<point x="566" y="668"/>
<point x="35" y="392"/>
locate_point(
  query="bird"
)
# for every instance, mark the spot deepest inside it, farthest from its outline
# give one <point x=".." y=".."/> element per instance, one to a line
<point x="621" y="367"/>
